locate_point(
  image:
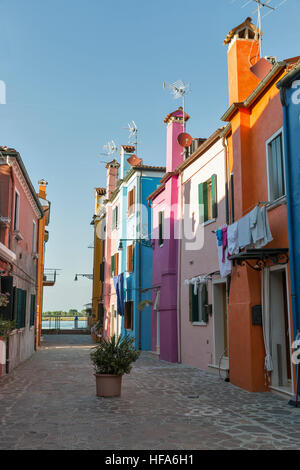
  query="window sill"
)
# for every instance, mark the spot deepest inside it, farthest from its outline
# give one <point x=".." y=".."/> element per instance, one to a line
<point x="278" y="202"/>
<point x="208" y="222"/>
<point x="199" y="323"/>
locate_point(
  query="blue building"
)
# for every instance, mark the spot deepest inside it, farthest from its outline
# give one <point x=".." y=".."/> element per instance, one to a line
<point x="290" y="98"/>
<point x="132" y="249"/>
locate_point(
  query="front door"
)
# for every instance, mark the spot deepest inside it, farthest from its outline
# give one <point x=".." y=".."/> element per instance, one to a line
<point x="220" y="325"/>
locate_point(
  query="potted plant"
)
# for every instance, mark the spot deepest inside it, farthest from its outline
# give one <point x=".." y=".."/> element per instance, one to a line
<point x="6" y="326"/>
<point x="112" y="358"/>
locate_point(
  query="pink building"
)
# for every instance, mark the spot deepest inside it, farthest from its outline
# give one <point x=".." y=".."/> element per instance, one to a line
<point x="165" y="246"/>
<point x="202" y="306"/>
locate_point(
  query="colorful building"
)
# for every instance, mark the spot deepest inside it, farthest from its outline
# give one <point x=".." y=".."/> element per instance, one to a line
<point x="98" y="223"/>
<point x="21" y="212"/>
<point x="259" y="312"/>
<point x="202" y="299"/>
<point x="164" y="202"/>
<point x="128" y="286"/>
<point x="290" y="100"/>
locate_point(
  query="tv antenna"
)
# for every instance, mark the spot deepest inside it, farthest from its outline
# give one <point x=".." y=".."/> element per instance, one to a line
<point x="133" y="134"/>
<point x="179" y="89"/>
<point x="110" y="149"/>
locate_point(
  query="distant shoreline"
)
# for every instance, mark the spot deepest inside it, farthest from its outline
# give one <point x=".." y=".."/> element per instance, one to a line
<point x="62" y="318"/>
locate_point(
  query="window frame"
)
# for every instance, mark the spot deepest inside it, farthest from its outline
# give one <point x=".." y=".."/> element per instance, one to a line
<point x="161" y="227"/>
<point x="210" y="205"/>
<point x="202" y="315"/>
<point x="269" y="141"/>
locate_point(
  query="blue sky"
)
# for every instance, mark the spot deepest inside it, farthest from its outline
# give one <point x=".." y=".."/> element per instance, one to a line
<point x="77" y="71"/>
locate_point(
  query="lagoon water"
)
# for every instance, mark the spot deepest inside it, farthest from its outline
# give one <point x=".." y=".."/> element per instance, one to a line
<point x="63" y="325"/>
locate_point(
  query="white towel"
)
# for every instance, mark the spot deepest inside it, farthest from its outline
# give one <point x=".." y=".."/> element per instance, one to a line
<point x="232" y="239"/>
<point x="244" y="233"/>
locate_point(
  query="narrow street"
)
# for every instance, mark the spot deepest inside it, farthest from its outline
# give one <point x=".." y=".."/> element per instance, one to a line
<point x="49" y="402"/>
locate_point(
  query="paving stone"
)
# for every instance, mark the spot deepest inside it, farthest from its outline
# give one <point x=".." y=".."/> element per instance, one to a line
<point x="49" y="402"/>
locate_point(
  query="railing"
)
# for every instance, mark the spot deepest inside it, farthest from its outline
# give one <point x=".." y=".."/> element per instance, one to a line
<point x="62" y="322"/>
<point x="49" y="278"/>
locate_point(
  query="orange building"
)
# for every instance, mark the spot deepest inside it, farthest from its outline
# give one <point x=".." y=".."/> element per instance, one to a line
<point x="44" y="278"/>
<point x="259" y="310"/>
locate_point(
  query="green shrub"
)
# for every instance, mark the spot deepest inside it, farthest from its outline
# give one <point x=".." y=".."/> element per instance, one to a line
<point x="6" y="327"/>
<point x="114" y="356"/>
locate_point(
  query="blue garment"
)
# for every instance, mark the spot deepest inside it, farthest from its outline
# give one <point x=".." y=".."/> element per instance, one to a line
<point x="119" y="287"/>
<point x="219" y="234"/>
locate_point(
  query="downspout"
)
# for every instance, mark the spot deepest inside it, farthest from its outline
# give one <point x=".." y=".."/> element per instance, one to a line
<point x="290" y="216"/>
<point x="179" y="275"/>
<point x="140" y="259"/>
<point x="225" y="145"/>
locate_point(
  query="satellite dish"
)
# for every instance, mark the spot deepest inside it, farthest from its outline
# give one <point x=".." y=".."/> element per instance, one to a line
<point x="184" y="139"/>
<point x="134" y="160"/>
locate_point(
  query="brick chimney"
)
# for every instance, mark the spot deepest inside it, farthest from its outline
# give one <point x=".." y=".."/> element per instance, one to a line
<point x="111" y="177"/>
<point x="243" y="53"/>
<point x="42" y="189"/>
<point x="174" y="123"/>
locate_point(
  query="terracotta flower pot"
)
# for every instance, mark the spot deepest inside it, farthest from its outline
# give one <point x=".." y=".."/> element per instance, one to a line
<point x="108" y="385"/>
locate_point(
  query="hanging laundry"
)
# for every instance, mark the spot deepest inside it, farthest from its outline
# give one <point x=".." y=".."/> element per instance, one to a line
<point x="256" y="225"/>
<point x="224" y="266"/>
<point x="224" y="242"/>
<point x="267" y="235"/>
<point x="244" y="233"/>
<point x="219" y="234"/>
<point x="232" y="237"/>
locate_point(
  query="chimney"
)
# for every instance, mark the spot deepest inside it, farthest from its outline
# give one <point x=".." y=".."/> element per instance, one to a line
<point x="42" y="189"/>
<point x="174" y="123"/>
<point x="243" y="53"/>
<point x="111" y="177"/>
<point x="126" y="152"/>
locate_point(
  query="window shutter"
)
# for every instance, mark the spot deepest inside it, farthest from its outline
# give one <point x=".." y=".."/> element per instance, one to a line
<point x="19" y="308"/>
<point x="32" y="309"/>
<point x="7" y="287"/>
<point x="194" y="305"/>
<point x="116" y="264"/>
<point x="112" y="266"/>
<point x="203" y="209"/>
<point x="214" y="200"/>
<point x="204" y="306"/>
<point x="101" y="272"/>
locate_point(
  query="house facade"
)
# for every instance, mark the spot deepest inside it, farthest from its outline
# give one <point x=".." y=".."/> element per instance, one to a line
<point x="128" y="286"/>
<point x="202" y="307"/>
<point x="21" y="212"/>
<point x="259" y="311"/>
<point x="165" y="209"/>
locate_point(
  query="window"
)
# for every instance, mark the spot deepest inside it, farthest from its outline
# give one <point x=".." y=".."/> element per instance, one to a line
<point x="131" y="201"/>
<point x="208" y="205"/>
<point x="115" y="218"/>
<point x="160" y="228"/>
<point x="114" y="265"/>
<point x="21" y="308"/>
<point x="32" y="309"/>
<point x="130" y="259"/>
<point x="33" y="237"/>
<point x="275" y="165"/>
<point x="128" y="315"/>
<point x="16" y="211"/>
<point x="198" y="304"/>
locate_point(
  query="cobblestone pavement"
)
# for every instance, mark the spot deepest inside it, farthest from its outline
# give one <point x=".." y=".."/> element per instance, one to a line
<point x="49" y="402"/>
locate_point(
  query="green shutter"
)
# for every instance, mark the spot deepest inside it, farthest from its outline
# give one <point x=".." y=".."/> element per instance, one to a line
<point x="21" y="308"/>
<point x="203" y="209"/>
<point x="204" y="305"/>
<point x="194" y="305"/>
<point x="214" y="196"/>
<point x="112" y="266"/>
<point x="32" y="309"/>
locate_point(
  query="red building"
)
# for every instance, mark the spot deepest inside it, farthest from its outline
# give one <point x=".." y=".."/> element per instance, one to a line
<point x="20" y="211"/>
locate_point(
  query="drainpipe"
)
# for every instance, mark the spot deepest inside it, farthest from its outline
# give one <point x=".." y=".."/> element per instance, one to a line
<point x="291" y="225"/>
<point x="179" y="275"/>
<point x="140" y="259"/>
<point x="225" y="145"/>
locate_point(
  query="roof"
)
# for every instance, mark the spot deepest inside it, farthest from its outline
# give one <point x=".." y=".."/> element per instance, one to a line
<point x="128" y="148"/>
<point x="293" y="71"/>
<point x="10" y="152"/>
<point x="245" y="26"/>
<point x="100" y="191"/>
<point x="177" y="114"/>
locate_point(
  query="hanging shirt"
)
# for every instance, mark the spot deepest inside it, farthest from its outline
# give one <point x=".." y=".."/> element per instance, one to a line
<point x="232" y="238"/>
<point x="224" y="266"/>
<point x="224" y="242"/>
<point x="256" y="225"/>
<point x="244" y="233"/>
<point x="267" y="235"/>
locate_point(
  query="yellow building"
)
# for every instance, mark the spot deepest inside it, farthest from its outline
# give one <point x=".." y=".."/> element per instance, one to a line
<point x="98" y="262"/>
<point x="44" y="278"/>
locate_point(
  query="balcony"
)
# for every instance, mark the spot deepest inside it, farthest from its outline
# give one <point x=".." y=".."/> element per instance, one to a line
<point x="49" y="278"/>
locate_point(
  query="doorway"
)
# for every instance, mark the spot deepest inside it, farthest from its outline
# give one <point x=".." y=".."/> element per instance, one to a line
<point x="280" y="330"/>
<point x="221" y="352"/>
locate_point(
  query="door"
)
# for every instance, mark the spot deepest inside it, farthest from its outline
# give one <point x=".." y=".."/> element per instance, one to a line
<point x="220" y="324"/>
<point x="280" y="332"/>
